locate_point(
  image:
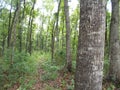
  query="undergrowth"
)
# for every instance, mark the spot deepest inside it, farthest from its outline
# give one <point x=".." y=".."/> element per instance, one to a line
<point x="24" y="70"/>
<point x="17" y="70"/>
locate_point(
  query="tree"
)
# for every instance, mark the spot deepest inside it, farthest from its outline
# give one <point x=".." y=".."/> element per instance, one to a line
<point x="68" y="42"/>
<point x="114" y="72"/>
<point x="30" y="29"/>
<point x="13" y="29"/>
<point x="90" y="53"/>
<point x="20" y="31"/>
<point x="57" y="20"/>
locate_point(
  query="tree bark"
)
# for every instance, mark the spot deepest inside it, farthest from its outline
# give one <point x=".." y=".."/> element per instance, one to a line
<point x="13" y="28"/>
<point x="90" y="55"/>
<point x="68" y="41"/>
<point x="114" y="72"/>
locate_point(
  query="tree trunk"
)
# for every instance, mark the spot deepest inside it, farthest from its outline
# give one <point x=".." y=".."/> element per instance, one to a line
<point x="63" y="21"/>
<point x="52" y="42"/>
<point x="68" y="41"/>
<point x="57" y="22"/>
<point x="9" y="28"/>
<point x="106" y="34"/>
<point x="90" y="55"/>
<point x="114" y="72"/>
<point x="13" y="28"/>
<point x="30" y="30"/>
<point x="20" y="28"/>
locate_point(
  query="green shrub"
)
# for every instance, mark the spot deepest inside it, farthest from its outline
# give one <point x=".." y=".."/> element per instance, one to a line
<point x="50" y="88"/>
<point x="111" y="87"/>
<point x="51" y="71"/>
<point x="27" y="86"/>
<point x="15" y="70"/>
<point x="60" y="57"/>
<point x="106" y="65"/>
<point x="49" y="76"/>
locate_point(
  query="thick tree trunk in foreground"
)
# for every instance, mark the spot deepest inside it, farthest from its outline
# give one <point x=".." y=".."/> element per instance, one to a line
<point x="114" y="72"/>
<point x="89" y="69"/>
<point x="68" y="42"/>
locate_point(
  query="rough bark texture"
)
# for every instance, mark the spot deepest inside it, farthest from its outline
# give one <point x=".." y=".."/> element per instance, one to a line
<point x="114" y="71"/>
<point x="13" y="27"/>
<point x="68" y="43"/>
<point x="90" y="55"/>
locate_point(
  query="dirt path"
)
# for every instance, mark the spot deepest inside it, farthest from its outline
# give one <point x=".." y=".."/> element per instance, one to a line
<point x="60" y="83"/>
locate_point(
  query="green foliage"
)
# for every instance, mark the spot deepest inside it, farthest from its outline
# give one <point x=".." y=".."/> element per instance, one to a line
<point x="49" y="76"/>
<point x="106" y="64"/>
<point x="73" y="66"/>
<point x="111" y="87"/>
<point x="50" y="71"/>
<point x="15" y="70"/>
<point x="60" y="57"/>
<point x="27" y="86"/>
<point x="50" y="88"/>
<point x="49" y="68"/>
<point x="71" y="87"/>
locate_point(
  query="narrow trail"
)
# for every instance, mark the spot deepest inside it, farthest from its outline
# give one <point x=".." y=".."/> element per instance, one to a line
<point x="60" y="83"/>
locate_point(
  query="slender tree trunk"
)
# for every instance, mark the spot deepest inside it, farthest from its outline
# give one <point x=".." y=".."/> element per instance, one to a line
<point x="30" y="30"/>
<point x="21" y="29"/>
<point x="106" y="35"/>
<point x="57" y="22"/>
<point x="9" y="28"/>
<point x="30" y="39"/>
<point x="90" y="55"/>
<point x="42" y="37"/>
<point x="68" y="41"/>
<point x="14" y="29"/>
<point x="114" y="71"/>
<point x="63" y="33"/>
<point x="14" y="24"/>
<point x="52" y="42"/>
<point x="37" y="42"/>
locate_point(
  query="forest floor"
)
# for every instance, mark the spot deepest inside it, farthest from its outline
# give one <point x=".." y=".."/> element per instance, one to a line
<point x="49" y="80"/>
<point x="58" y="84"/>
<point x="52" y="77"/>
<point x="64" y="81"/>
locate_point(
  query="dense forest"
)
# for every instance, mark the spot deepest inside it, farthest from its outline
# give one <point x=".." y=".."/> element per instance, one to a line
<point x="59" y="45"/>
